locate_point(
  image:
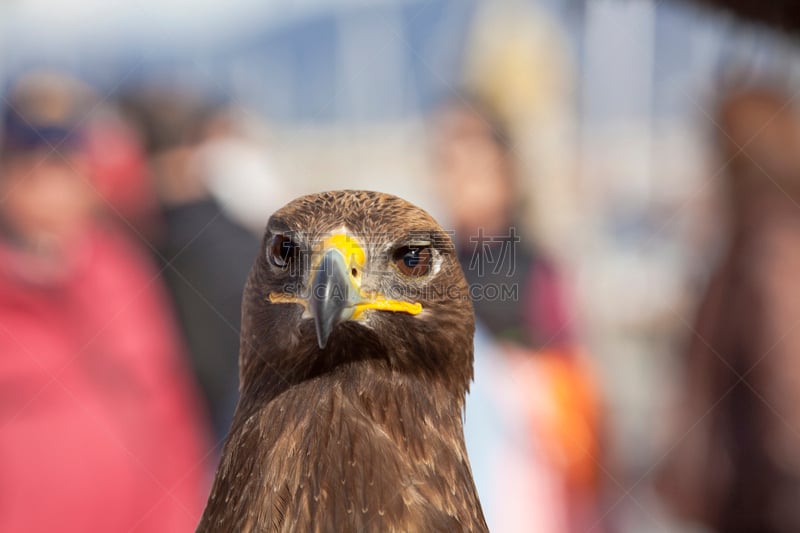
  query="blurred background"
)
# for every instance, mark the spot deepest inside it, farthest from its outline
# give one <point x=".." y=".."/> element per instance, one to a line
<point x="623" y="182"/>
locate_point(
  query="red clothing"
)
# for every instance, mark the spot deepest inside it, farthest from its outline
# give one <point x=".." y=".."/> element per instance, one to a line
<point x="99" y="429"/>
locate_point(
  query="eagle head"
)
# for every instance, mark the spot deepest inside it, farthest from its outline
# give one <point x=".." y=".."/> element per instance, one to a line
<point x="350" y="276"/>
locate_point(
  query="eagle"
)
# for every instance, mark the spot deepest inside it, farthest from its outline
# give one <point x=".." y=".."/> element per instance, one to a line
<point x="356" y="355"/>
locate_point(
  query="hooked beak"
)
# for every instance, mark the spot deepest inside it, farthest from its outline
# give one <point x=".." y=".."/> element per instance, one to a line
<point x="334" y="294"/>
<point x="335" y="285"/>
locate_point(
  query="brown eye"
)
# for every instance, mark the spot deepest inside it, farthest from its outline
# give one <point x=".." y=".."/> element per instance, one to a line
<point x="282" y="250"/>
<point x="414" y="260"/>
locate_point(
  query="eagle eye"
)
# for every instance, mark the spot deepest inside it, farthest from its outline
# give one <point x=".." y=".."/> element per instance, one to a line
<point x="414" y="261"/>
<point x="282" y="250"/>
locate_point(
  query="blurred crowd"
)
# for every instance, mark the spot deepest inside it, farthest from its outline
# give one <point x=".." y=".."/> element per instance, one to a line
<point x="129" y="222"/>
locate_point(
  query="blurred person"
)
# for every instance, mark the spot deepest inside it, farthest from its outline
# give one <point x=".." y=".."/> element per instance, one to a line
<point x="735" y="465"/>
<point x="215" y="184"/>
<point x="531" y="384"/>
<point x="518" y="58"/>
<point x="477" y="180"/>
<point x="234" y="161"/>
<point x="100" y="428"/>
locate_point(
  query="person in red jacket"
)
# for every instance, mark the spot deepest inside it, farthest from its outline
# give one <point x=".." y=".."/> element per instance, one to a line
<point x="99" y="424"/>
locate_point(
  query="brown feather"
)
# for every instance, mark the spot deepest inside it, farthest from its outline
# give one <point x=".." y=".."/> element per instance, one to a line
<point x="366" y="434"/>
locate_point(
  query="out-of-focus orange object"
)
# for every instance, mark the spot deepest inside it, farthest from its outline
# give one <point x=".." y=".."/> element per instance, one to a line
<point x="563" y="412"/>
<point x="571" y="425"/>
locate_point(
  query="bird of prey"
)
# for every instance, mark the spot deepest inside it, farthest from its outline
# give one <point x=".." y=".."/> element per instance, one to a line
<point x="356" y="355"/>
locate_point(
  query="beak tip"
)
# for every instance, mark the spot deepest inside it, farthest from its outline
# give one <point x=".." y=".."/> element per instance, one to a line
<point x="322" y="342"/>
<point x="323" y="333"/>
